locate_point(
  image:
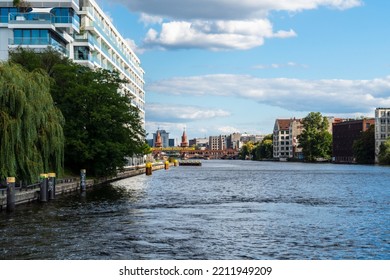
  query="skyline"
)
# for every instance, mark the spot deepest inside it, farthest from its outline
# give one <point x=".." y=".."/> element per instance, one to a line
<point x="218" y="67"/>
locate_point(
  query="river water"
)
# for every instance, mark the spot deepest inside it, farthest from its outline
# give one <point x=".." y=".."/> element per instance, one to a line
<point x="221" y="210"/>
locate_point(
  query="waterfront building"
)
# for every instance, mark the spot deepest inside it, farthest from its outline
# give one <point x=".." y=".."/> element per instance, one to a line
<point x="344" y="135"/>
<point x="382" y="128"/>
<point x="285" y="138"/>
<point x="200" y="143"/>
<point x="78" y="29"/>
<point x="245" y="138"/>
<point x="217" y="142"/>
<point x="233" y="141"/>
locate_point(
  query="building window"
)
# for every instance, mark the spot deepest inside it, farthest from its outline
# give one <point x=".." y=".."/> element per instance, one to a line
<point x="4" y="14"/>
<point x="81" y="53"/>
<point x="31" y="37"/>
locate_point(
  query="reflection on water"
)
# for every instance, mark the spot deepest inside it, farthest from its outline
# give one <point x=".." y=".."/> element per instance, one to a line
<point x="222" y="210"/>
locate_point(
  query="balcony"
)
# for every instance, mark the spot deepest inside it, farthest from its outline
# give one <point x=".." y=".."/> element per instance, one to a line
<point x="31" y="18"/>
<point x="43" y="20"/>
<point x="37" y="42"/>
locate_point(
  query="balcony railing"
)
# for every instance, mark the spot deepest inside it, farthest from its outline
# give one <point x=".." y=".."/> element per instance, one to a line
<point x="28" y="18"/>
<point x="38" y="41"/>
<point x="42" y="18"/>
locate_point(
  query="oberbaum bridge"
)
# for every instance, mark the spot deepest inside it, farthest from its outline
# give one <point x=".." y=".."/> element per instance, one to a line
<point x="185" y="152"/>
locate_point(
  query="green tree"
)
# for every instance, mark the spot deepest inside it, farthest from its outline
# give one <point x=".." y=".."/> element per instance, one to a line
<point x="315" y="140"/>
<point x="364" y="147"/>
<point x="384" y="153"/>
<point x="265" y="149"/>
<point x="45" y="60"/>
<point x="22" y="5"/>
<point x="102" y="128"/>
<point x="246" y="150"/>
<point x="31" y="139"/>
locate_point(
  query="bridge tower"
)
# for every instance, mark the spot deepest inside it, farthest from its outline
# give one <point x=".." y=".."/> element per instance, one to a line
<point x="158" y="143"/>
<point x="184" y="141"/>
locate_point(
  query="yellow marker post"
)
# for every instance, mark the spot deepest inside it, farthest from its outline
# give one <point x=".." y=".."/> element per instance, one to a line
<point x="148" y="169"/>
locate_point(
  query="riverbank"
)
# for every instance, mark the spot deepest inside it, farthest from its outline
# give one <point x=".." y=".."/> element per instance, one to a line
<point x="32" y="193"/>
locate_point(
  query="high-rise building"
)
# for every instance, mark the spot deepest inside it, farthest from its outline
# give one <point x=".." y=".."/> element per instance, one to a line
<point x="382" y="128"/>
<point x="78" y="29"/>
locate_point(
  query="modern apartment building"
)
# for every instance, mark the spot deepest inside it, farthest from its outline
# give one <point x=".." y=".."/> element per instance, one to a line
<point x="382" y="128"/>
<point x="78" y="29"/>
<point x="285" y="138"/>
<point x="344" y="135"/>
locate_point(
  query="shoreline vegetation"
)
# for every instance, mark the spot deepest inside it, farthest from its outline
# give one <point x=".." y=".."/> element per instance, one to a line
<point x="58" y="115"/>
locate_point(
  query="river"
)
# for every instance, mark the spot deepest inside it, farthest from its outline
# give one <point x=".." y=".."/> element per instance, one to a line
<point x="221" y="210"/>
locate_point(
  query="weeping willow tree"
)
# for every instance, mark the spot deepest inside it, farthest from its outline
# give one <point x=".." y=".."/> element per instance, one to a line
<point x="31" y="127"/>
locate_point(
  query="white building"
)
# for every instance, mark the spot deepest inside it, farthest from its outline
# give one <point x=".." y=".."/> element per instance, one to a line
<point x="285" y="138"/>
<point x="382" y="128"/>
<point x="78" y="29"/>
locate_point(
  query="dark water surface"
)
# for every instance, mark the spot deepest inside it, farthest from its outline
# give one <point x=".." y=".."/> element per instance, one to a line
<point x="222" y="210"/>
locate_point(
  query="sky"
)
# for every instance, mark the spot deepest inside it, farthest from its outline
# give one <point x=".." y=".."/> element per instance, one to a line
<point x="217" y="67"/>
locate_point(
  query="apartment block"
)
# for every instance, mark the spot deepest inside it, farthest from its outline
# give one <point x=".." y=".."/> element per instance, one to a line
<point x="217" y="142"/>
<point x="382" y="128"/>
<point x="344" y="135"/>
<point x="285" y="138"/>
<point x="78" y="29"/>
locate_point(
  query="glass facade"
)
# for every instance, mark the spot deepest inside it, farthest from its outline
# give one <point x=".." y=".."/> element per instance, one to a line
<point x="65" y="15"/>
<point x="4" y="14"/>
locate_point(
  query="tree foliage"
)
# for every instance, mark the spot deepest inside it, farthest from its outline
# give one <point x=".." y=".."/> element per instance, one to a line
<point x="264" y="150"/>
<point x="384" y="153"/>
<point x="31" y="139"/>
<point x="315" y="140"/>
<point x="246" y="151"/>
<point x="364" y="147"/>
<point x="102" y="128"/>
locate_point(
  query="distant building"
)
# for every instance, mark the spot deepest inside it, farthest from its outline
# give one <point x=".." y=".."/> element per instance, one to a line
<point x="172" y="142"/>
<point x="344" y="134"/>
<point x="382" y="128"/>
<point x="217" y="142"/>
<point x="233" y="141"/>
<point x="285" y="138"/>
<point x="200" y="143"/>
<point x="245" y="138"/>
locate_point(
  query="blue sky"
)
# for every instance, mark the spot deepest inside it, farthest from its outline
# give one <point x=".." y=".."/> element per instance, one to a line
<point x="223" y="66"/>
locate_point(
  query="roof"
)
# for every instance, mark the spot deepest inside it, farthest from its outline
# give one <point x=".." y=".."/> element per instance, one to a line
<point x="284" y="124"/>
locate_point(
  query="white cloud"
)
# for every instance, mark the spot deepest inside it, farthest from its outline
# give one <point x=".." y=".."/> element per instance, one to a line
<point x="280" y="65"/>
<point x="131" y="43"/>
<point x="214" y="35"/>
<point x="228" y="129"/>
<point x="156" y="112"/>
<point x="219" y="24"/>
<point x="229" y="9"/>
<point x="149" y="19"/>
<point x="336" y="96"/>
